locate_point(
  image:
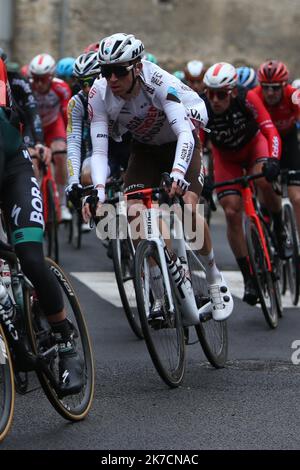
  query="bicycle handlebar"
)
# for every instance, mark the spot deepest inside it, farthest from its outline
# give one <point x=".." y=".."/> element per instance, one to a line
<point x="241" y="180"/>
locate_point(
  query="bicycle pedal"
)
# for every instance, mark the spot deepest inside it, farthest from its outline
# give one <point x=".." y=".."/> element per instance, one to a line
<point x="49" y="354"/>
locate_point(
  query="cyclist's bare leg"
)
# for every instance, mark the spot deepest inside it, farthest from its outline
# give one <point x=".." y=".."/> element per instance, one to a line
<point x="273" y="203"/>
<point x="267" y="195"/>
<point x="233" y="209"/>
<point x="215" y="279"/>
<point x="201" y="231"/>
<point x="59" y="151"/>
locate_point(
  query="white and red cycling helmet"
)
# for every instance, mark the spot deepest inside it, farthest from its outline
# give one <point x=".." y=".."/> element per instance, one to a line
<point x="42" y="64"/>
<point x="221" y="75"/>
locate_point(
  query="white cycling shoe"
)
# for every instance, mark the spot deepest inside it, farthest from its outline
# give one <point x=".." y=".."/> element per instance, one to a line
<point x="66" y="215"/>
<point x="221" y="300"/>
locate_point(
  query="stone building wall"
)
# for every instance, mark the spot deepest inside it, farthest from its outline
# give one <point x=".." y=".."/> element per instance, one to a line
<point x="211" y="30"/>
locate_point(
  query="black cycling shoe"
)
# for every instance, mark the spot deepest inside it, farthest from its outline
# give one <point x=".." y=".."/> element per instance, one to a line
<point x="250" y="293"/>
<point x="70" y="370"/>
<point x="285" y="244"/>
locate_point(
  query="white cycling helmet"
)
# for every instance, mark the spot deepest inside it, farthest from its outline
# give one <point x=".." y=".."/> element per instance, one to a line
<point x="221" y="75"/>
<point x="296" y="83"/>
<point x="42" y="64"/>
<point x="86" y="65"/>
<point x="118" y="48"/>
<point x="194" y="69"/>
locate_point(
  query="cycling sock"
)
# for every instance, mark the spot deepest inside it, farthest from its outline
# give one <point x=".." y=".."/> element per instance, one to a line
<point x="213" y="274"/>
<point x="244" y="266"/>
<point x="156" y="282"/>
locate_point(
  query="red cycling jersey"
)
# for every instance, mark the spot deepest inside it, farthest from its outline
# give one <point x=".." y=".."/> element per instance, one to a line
<point x="54" y="102"/>
<point x="3" y="84"/>
<point x="285" y="114"/>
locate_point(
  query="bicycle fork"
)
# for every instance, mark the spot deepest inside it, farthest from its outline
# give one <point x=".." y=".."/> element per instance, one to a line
<point x="170" y="264"/>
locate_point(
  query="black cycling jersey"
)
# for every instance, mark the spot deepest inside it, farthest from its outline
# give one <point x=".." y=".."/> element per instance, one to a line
<point x="26" y="106"/>
<point x="235" y="127"/>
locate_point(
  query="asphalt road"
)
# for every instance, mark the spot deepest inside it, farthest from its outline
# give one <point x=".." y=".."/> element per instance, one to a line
<point x="253" y="403"/>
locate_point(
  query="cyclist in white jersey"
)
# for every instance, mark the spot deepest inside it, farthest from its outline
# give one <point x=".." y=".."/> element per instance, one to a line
<point x="164" y="117"/>
<point x="86" y="69"/>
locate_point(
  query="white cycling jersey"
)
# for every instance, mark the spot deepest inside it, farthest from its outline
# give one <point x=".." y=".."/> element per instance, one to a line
<point x="77" y="129"/>
<point x="165" y="110"/>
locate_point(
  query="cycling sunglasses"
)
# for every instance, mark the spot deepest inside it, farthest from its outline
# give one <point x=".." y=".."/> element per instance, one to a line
<point x="118" y="70"/>
<point x="41" y="78"/>
<point x="273" y="87"/>
<point x="86" y="81"/>
<point x="220" y="94"/>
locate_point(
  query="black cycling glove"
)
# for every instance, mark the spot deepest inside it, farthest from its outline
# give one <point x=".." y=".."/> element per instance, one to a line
<point x="271" y="169"/>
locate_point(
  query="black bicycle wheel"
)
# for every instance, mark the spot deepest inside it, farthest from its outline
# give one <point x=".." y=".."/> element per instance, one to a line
<point x="123" y="260"/>
<point x="7" y="387"/>
<point x="72" y="407"/>
<point x="51" y="227"/>
<point x="277" y="265"/>
<point x="164" y="337"/>
<point x="212" y="334"/>
<point x="263" y="278"/>
<point x="292" y="265"/>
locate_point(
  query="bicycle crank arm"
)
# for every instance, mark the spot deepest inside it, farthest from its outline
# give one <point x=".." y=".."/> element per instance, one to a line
<point x="205" y="312"/>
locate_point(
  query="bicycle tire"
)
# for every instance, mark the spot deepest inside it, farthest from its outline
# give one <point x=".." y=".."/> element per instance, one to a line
<point x="7" y="387"/>
<point x="79" y="231"/>
<point x="66" y="406"/>
<point x="123" y="268"/>
<point x="263" y="278"/>
<point x="292" y="265"/>
<point x="283" y="279"/>
<point x="277" y="265"/>
<point x="51" y="226"/>
<point x="161" y="337"/>
<point x="213" y="335"/>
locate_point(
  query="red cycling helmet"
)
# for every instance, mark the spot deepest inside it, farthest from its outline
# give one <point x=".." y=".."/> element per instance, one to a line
<point x="92" y="47"/>
<point x="273" y="71"/>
